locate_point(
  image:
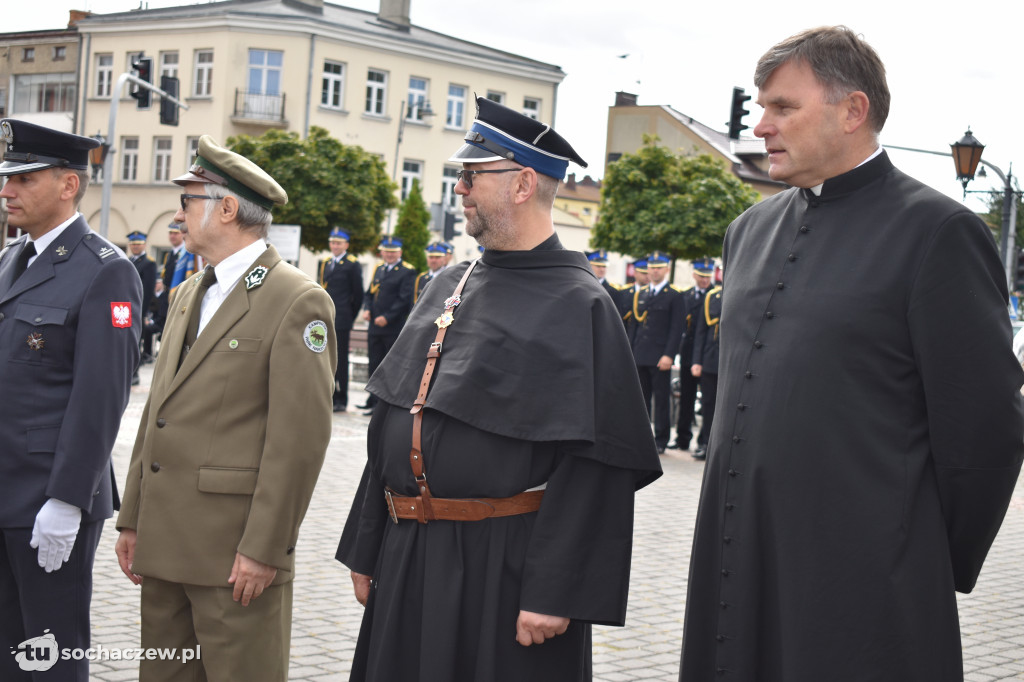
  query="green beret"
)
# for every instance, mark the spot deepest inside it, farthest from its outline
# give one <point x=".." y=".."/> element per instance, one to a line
<point x="220" y="166"/>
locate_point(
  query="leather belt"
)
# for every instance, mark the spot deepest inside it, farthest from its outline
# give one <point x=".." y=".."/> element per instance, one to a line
<point x="424" y="509"/>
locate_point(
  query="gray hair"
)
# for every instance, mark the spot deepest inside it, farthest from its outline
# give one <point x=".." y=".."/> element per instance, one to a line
<point x="83" y="181"/>
<point x="841" y="61"/>
<point x="251" y="216"/>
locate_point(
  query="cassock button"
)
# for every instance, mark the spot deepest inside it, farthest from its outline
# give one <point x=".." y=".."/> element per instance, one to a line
<point x="805" y="229"/>
<point x="780" y="285"/>
<point x="719" y="638"/>
<point x="736" y="439"/>
<point x="733" y="472"/>
<point x="730" y="506"/>
<point x="792" y="257"/>
<point x="161" y="423"/>
<point x="725" y="572"/>
<point x="720" y="671"/>
<point x="727" y="539"/>
<point x="723" y="605"/>
<point x="741" y="407"/>
<point x="748" y="374"/>
<point x="758" y="344"/>
<point x="769" y="314"/>
<point x="154" y="467"/>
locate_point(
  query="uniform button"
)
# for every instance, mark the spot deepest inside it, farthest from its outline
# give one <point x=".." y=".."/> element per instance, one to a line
<point x="290" y="550"/>
<point x="804" y="228"/>
<point x="748" y="374"/>
<point x="39" y="319"/>
<point x="88" y="237"/>
<point x="1" y="317"/>
<point x="758" y="344"/>
<point x="155" y="467"/>
<point x="161" y="423"/>
<point x="780" y="285"/>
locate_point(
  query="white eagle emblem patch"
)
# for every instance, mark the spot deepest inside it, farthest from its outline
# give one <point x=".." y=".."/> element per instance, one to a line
<point x="121" y="314"/>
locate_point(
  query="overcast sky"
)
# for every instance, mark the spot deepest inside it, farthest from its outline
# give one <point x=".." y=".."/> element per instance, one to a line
<point x="689" y="55"/>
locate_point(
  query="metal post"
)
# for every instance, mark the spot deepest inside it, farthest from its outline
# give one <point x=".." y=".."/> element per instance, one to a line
<point x="394" y="168"/>
<point x="1010" y="230"/>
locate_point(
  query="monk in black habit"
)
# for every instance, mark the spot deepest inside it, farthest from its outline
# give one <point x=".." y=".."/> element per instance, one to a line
<point x="534" y="404"/>
<point x="869" y="427"/>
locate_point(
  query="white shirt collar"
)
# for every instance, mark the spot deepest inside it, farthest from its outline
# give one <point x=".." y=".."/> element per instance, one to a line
<point x="231" y="269"/>
<point x="44" y="242"/>
<point x="655" y="290"/>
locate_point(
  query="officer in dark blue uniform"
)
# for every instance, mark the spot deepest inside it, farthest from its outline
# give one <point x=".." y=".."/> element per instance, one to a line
<point x="693" y="308"/>
<point x="387" y="303"/>
<point x="437" y="260"/>
<point x="146" y="268"/>
<point x="659" y="318"/>
<point x="705" y="365"/>
<point x="619" y="295"/>
<point x="70" y="320"/>
<point x="632" y="301"/>
<point x="342" y="276"/>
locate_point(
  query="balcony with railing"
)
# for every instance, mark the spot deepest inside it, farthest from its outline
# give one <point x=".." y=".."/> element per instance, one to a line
<point x="259" y="108"/>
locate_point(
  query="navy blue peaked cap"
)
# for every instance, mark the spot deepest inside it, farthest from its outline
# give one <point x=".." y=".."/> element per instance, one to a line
<point x="32" y="147"/>
<point x="499" y="133"/>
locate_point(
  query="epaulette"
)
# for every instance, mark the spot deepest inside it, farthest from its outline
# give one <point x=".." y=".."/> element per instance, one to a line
<point x="350" y="258"/>
<point x="326" y="259"/>
<point x="689" y="288"/>
<point x="407" y="266"/>
<point x="675" y="288"/>
<point x="103" y="249"/>
<point x="10" y="244"/>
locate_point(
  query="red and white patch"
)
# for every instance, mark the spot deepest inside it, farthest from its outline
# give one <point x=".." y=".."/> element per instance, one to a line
<point x="121" y="314"/>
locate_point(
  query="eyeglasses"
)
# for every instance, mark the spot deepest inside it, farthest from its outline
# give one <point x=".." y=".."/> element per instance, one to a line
<point x="186" y="197"/>
<point x="466" y="176"/>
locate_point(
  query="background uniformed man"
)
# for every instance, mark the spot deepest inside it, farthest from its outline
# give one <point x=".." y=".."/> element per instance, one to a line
<point x="704" y="364"/>
<point x="659" y="320"/>
<point x="70" y="318"/>
<point x="232" y="437"/>
<point x="693" y="308"/>
<point x="386" y="305"/>
<point x="146" y="268"/>
<point x="620" y="295"/>
<point x="342" y="276"/>
<point x="437" y="260"/>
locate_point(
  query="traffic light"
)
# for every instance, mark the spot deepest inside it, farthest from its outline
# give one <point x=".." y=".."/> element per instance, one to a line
<point x="168" y="109"/>
<point x="449" y="232"/>
<point x="144" y="70"/>
<point x="1018" y="275"/>
<point x="737" y="112"/>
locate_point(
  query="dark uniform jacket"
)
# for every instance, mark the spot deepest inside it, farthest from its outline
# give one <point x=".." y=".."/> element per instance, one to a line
<point x="344" y="283"/>
<point x="69" y="342"/>
<point x="693" y="309"/>
<point x="146" y="268"/>
<point x="705" y="342"/>
<point x="422" y="280"/>
<point x="660" y="322"/>
<point x="390" y="294"/>
<point x="518" y="400"/>
<point x="867" y="442"/>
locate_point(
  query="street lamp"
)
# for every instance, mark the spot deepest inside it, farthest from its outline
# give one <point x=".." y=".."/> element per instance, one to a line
<point x="425" y="112"/>
<point x="966" y="157"/>
<point x="98" y="155"/>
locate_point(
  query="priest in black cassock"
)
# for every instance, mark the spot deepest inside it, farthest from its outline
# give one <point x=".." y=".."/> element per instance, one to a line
<point x="493" y="522"/>
<point x="869" y="427"/>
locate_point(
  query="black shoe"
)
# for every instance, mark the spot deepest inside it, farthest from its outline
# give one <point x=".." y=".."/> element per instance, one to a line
<point x="701" y="452"/>
<point x="368" y="413"/>
<point x="135" y="379"/>
<point x="340" y="407"/>
<point x="365" y="406"/>
<point x="147" y="359"/>
<point x="661" y="449"/>
<point x="676" y="445"/>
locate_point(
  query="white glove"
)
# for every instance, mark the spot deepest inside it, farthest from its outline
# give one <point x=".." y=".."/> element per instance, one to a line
<point x="54" y="533"/>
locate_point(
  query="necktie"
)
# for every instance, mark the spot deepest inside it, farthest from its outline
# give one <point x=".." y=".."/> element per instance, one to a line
<point x="21" y="264"/>
<point x="209" y="277"/>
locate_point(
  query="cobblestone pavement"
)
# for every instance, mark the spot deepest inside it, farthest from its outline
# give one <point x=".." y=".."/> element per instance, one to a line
<point x="326" y="616"/>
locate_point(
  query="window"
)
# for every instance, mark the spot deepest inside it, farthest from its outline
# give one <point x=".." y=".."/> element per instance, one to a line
<point x="44" y="92"/>
<point x="449" y="198"/>
<point x="333" y="85"/>
<point x="191" y="150"/>
<point x="376" y="89"/>
<point x="132" y="57"/>
<point x="169" y="64"/>
<point x="129" y="158"/>
<point x="498" y="97"/>
<point x="203" y="76"/>
<point x="456" y="117"/>
<point x="417" y="101"/>
<point x="28" y="54"/>
<point x="104" y="74"/>
<point x="531" y="107"/>
<point x="60" y="53"/>
<point x="161" y="159"/>
<point x="411" y="170"/>
<point x="265" y="72"/>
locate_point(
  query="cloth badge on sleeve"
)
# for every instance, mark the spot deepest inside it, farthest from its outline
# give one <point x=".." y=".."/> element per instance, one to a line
<point x="315" y="336"/>
<point x="121" y="314"/>
<point x="255" y="277"/>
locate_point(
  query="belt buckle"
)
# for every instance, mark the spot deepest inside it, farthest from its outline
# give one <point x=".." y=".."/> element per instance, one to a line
<point x="391" y="505"/>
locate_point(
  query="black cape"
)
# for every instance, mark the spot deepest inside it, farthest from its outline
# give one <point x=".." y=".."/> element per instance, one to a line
<point x="530" y="390"/>
<point x="867" y="439"/>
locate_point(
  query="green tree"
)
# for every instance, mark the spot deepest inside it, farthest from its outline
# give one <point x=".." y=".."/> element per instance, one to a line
<point x="411" y="228"/>
<point x="994" y="216"/>
<point x="329" y="185"/>
<point x="658" y="200"/>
